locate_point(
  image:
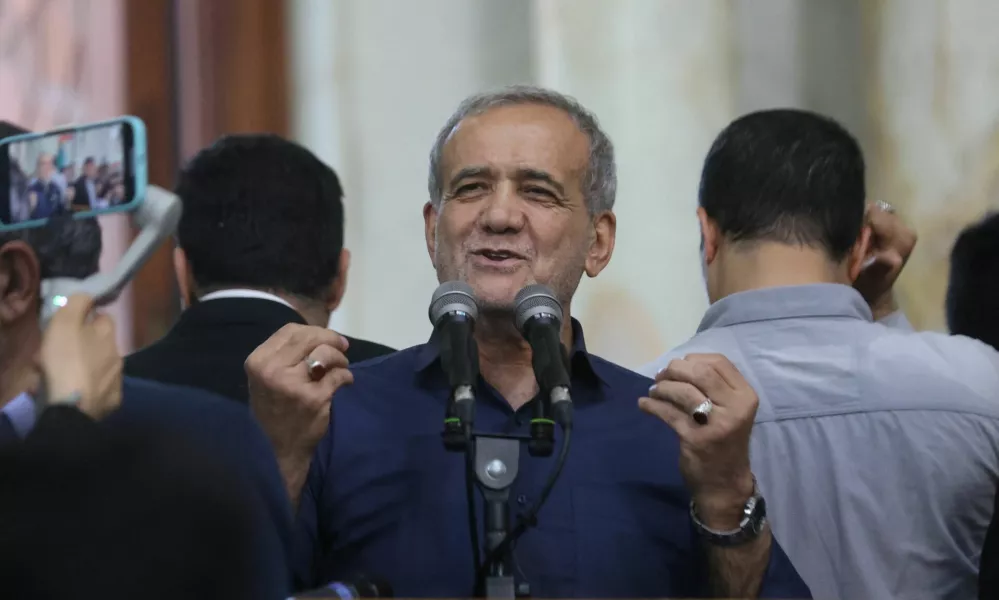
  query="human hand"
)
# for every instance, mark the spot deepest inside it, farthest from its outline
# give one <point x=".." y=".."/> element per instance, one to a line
<point x="892" y="243"/>
<point x="79" y="355"/>
<point x="714" y="457"/>
<point x="292" y="378"/>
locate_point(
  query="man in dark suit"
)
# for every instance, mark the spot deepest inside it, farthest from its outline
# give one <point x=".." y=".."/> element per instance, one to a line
<point x="44" y="194"/>
<point x="85" y="187"/>
<point x="259" y="245"/>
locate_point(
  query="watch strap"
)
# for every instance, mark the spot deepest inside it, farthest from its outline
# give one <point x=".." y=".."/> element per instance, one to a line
<point x="752" y="523"/>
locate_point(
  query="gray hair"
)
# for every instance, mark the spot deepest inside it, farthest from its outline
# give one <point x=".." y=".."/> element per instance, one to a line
<point x="600" y="179"/>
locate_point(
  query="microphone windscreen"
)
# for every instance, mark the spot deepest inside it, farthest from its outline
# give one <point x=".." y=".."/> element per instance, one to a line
<point x="452" y="296"/>
<point x="536" y="300"/>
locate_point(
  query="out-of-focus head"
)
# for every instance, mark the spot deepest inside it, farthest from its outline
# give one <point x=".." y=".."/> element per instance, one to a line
<point x="973" y="289"/>
<point x="261" y="212"/>
<point x="63" y="247"/>
<point x="90" y="167"/>
<point x="522" y="185"/>
<point x="149" y="517"/>
<point x="786" y="177"/>
<point x="45" y="166"/>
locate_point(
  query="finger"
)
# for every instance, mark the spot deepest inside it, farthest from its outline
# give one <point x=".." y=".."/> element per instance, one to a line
<point x="708" y="382"/>
<point x="292" y="343"/>
<point x="76" y="310"/>
<point x="103" y="326"/>
<point x="673" y="416"/>
<point x="661" y="375"/>
<point x="324" y="358"/>
<point x="720" y="363"/>
<point x="888" y="259"/>
<point x="304" y="340"/>
<point x="682" y="395"/>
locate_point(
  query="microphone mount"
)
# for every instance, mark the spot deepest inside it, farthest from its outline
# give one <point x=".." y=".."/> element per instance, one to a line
<point x="157" y="217"/>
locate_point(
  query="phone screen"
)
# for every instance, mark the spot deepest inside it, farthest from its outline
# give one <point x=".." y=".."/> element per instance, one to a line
<point x="86" y="169"/>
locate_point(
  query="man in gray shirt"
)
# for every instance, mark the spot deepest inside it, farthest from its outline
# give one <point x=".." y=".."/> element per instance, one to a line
<point x="877" y="446"/>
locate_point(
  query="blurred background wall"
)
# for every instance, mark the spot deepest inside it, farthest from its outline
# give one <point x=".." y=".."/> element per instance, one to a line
<point x="367" y="83"/>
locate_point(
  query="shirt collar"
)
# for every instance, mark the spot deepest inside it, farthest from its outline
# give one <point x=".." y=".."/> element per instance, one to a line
<point x="828" y="300"/>
<point x="581" y="364"/>
<point x="21" y="412"/>
<point x="242" y="293"/>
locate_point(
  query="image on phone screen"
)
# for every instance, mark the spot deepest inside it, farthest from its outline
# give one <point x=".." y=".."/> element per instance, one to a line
<point x="70" y="171"/>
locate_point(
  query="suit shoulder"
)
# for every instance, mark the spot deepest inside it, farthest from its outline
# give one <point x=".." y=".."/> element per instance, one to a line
<point x="362" y="350"/>
<point x="150" y="398"/>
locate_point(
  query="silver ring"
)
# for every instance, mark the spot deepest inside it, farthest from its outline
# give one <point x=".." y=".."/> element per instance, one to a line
<point x="888" y="208"/>
<point x="702" y="411"/>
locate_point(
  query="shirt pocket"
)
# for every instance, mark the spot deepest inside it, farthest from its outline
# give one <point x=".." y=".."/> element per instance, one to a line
<point x="634" y="540"/>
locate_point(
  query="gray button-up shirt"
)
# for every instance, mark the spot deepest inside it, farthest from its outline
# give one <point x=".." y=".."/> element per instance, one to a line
<point x="877" y="447"/>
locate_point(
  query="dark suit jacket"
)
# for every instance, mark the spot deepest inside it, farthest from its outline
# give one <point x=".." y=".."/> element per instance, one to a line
<point x="208" y="345"/>
<point x="208" y="426"/>
<point x="81" y="197"/>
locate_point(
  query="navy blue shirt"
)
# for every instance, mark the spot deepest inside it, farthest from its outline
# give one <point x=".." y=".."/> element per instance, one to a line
<point x="384" y="497"/>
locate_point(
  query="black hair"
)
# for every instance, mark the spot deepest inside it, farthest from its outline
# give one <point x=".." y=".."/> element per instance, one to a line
<point x="263" y="212"/>
<point x="65" y="246"/>
<point x="788" y="176"/>
<point x="973" y="290"/>
<point x="89" y="161"/>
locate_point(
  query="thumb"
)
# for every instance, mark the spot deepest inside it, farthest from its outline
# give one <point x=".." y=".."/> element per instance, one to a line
<point x="78" y="307"/>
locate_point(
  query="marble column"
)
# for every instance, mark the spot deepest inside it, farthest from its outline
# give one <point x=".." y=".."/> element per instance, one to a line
<point x="935" y="140"/>
<point x="660" y="76"/>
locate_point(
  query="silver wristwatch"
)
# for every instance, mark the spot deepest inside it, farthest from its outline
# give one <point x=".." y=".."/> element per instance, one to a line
<point x="754" y="519"/>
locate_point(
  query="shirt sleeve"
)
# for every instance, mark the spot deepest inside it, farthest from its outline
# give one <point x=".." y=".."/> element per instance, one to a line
<point x="781" y="579"/>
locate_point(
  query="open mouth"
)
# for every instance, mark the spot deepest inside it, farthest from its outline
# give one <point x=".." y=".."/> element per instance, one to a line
<point x="498" y="256"/>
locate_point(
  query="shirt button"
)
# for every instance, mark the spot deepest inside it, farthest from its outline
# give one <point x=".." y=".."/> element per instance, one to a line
<point x="522" y="500"/>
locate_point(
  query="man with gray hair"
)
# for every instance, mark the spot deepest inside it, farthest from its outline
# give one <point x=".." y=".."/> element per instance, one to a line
<point x="522" y="185"/>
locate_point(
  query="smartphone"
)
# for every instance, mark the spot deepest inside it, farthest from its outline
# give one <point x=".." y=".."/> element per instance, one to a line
<point x="83" y="170"/>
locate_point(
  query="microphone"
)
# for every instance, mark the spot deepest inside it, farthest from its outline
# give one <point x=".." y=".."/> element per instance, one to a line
<point x="453" y="312"/>
<point x="538" y="315"/>
<point x="361" y="587"/>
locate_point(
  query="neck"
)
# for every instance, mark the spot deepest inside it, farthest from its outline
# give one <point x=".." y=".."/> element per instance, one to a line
<point x="505" y="357"/>
<point x="17" y="372"/>
<point x="772" y="265"/>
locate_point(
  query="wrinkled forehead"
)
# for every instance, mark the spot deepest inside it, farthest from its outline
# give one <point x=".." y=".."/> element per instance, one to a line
<point x="517" y="137"/>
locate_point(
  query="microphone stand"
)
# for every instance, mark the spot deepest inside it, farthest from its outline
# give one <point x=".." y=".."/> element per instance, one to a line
<point x="497" y="463"/>
<point x="494" y="460"/>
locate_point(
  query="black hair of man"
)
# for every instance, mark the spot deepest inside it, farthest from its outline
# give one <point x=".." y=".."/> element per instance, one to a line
<point x="65" y="246"/>
<point x="973" y="290"/>
<point x="788" y="176"/>
<point x="263" y="212"/>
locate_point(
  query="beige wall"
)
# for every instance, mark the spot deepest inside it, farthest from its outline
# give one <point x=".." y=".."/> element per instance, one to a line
<point x="916" y="80"/>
